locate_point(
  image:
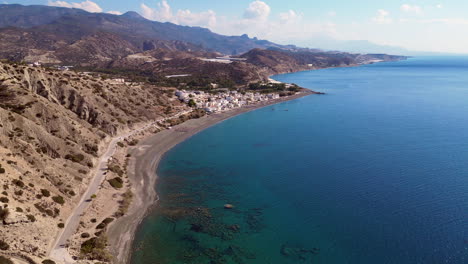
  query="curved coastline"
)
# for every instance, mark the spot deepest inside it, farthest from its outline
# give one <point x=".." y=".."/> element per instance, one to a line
<point x="142" y="172"/>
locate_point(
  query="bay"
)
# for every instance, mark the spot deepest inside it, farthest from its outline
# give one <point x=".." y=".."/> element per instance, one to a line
<point x="375" y="171"/>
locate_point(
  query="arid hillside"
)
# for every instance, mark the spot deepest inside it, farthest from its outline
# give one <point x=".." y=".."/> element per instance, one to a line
<point x="53" y="126"/>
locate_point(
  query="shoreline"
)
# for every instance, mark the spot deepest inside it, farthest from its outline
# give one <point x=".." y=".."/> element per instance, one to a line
<point x="145" y="158"/>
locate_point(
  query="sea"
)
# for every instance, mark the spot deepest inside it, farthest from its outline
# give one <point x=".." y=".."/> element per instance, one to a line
<point x="375" y="171"/>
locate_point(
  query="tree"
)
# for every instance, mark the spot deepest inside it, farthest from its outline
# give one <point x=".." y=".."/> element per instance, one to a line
<point x="192" y="103"/>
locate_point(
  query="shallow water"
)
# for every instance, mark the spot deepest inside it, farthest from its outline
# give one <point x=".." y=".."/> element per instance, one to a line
<point x="376" y="171"/>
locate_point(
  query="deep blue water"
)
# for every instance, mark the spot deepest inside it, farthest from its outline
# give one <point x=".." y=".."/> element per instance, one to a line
<point x="375" y="171"/>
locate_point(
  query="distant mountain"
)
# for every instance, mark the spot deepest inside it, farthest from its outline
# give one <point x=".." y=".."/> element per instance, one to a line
<point x="364" y="46"/>
<point x="73" y="24"/>
<point x="35" y="15"/>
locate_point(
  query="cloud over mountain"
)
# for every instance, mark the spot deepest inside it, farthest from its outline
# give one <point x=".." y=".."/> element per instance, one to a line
<point x="87" y="5"/>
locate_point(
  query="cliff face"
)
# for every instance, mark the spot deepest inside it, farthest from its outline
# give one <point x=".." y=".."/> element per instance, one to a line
<point x="52" y="128"/>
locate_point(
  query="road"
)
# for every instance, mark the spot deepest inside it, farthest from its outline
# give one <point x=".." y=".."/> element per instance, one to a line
<point x="59" y="250"/>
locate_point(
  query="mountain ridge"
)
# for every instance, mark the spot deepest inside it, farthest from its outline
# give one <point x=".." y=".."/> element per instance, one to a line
<point x="130" y="24"/>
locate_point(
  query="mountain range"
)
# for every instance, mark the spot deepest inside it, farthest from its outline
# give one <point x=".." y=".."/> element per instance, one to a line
<point x="131" y="43"/>
<point x="69" y="25"/>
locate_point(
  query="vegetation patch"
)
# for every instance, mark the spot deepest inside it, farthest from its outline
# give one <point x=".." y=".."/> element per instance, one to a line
<point x="4" y="214"/>
<point x="4" y="245"/>
<point x="31" y="218"/>
<point x="95" y="249"/>
<point x="91" y="149"/>
<point x="45" y="193"/>
<point x="124" y="203"/>
<point x="273" y="87"/>
<point x="105" y="223"/>
<point x="48" y="261"/>
<point x="117" y="183"/>
<point x="116" y="169"/>
<point x="18" y="183"/>
<point x="77" y="158"/>
<point x="133" y="142"/>
<point x="4" y="260"/>
<point x="58" y="199"/>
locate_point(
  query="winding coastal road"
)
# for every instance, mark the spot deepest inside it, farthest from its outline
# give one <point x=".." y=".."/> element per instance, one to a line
<point x="59" y="250"/>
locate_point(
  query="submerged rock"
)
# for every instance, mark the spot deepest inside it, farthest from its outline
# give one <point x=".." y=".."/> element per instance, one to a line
<point x="228" y="206"/>
<point x="298" y="252"/>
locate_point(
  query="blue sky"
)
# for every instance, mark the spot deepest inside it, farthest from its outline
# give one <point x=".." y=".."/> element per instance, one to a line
<point x="425" y="25"/>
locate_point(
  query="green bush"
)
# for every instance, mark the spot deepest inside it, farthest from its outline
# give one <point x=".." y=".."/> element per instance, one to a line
<point x="88" y="246"/>
<point x="116" y="169"/>
<point x="4" y="245"/>
<point x="85" y="235"/>
<point x="45" y="193"/>
<point x="105" y="223"/>
<point x="4" y="214"/>
<point x="95" y="249"/>
<point x="134" y="142"/>
<point x="4" y="260"/>
<point x="117" y="183"/>
<point x="48" y="261"/>
<point x="31" y="218"/>
<point x="192" y="103"/>
<point x="58" y="199"/>
<point x="18" y="183"/>
<point x="4" y="200"/>
<point x="75" y="157"/>
<point x="61" y="225"/>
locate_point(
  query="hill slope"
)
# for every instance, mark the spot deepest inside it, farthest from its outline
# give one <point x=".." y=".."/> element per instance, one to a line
<point x="53" y="126"/>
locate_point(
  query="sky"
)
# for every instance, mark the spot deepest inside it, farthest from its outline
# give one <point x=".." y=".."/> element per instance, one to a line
<point x="418" y="25"/>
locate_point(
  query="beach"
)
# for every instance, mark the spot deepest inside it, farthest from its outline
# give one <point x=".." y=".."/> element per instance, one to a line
<point x="142" y="168"/>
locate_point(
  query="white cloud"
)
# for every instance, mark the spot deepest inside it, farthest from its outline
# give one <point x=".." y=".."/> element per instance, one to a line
<point x="86" y="5"/>
<point x="163" y="13"/>
<point x="383" y="17"/>
<point x="289" y="17"/>
<point x="331" y="14"/>
<point x="255" y="21"/>
<point x="114" y="12"/>
<point x="186" y="17"/>
<point x="439" y="6"/>
<point x="411" y="9"/>
<point x="257" y="10"/>
<point x="447" y="21"/>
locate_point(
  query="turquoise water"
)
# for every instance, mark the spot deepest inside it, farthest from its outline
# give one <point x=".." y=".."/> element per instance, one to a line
<point x="376" y="171"/>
